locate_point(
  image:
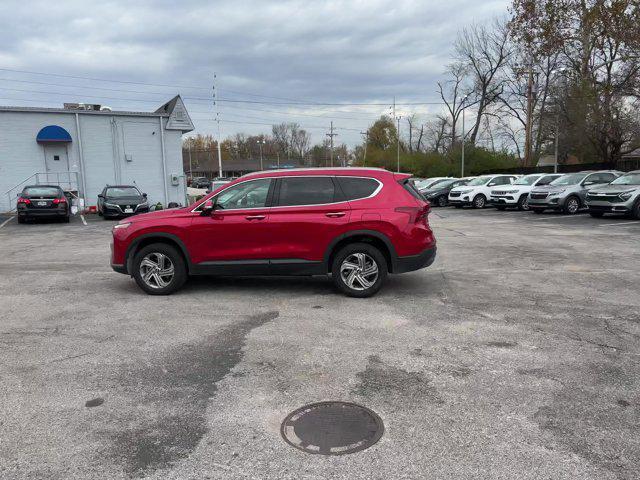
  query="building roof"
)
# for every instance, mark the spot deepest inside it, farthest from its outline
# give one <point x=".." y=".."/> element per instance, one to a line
<point x="633" y="154"/>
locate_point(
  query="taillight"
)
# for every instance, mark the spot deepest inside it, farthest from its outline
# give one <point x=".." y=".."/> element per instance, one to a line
<point x="26" y="201"/>
<point x="416" y="214"/>
<point x="56" y="201"/>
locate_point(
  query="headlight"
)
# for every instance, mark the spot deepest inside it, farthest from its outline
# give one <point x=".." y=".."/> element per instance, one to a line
<point x="121" y="225"/>
<point x="511" y="191"/>
<point x="555" y="194"/>
<point x="110" y="205"/>
<point x="626" y="196"/>
<point x="466" y="190"/>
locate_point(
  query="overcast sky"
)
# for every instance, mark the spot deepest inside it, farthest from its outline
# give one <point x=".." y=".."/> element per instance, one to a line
<point x="358" y="51"/>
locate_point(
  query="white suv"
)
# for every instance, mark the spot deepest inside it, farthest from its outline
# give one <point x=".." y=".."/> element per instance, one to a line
<point x="517" y="194"/>
<point x="478" y="190"/>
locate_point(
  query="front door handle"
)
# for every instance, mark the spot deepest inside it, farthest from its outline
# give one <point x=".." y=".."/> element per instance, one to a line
<point x="255" y="217"/>
<point x="335" y="214"/>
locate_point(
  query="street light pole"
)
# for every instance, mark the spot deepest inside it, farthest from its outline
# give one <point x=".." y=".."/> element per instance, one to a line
<point x="260" y="143"/>
<point x="557" y="139"/>
<point x="398" y="146"/>
<point x="463" y="136"/>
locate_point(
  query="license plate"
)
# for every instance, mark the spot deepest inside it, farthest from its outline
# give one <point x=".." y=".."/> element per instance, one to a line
<point x="128" y="210"/>
<point x="42" y="204"/>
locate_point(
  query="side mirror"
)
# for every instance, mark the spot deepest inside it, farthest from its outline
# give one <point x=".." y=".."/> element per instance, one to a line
<point x="100" y="195"/>
<point x="208" y="207"/>
<point x="492" y="184"/>
<point x="144" y="195"/>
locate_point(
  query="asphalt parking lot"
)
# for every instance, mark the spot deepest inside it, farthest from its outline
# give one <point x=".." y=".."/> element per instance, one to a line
<point x="515" y="356"/>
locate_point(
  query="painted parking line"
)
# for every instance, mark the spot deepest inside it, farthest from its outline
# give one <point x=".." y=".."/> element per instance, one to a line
<point x="555" y="217"/>
<point x="6" y="221"/>
<point x="83" y="220"/>
<point x="619" y="223"/>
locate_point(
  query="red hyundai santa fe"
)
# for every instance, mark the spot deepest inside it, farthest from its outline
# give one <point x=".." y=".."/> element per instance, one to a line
<point x="356" y="224"/>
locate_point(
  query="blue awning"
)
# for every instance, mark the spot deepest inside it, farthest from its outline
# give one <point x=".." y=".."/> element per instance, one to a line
<point x="53" y="133"/>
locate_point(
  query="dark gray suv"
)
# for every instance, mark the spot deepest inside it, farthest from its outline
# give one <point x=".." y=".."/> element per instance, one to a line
<point x="569" y="192"/>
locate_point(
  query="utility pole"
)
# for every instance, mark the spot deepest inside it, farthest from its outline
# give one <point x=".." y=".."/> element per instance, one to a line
<point x="398" y="142"/>
<point x="190" y="165"/>
<point x="366" y="142"/>
<point x="218" y="122"/>
<point x="463" y="135"/>
<point x="260" y="143"/>
<point x="331" y="135"/>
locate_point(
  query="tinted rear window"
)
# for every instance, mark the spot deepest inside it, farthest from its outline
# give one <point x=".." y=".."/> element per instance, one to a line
<point x="42" y="191"/>
<point x="306" y="191"/>
<point x="408" y="186"/>
<point x="355" y="188"/>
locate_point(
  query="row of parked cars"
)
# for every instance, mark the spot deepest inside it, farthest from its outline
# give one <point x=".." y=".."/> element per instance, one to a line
<point x="599" y="192"/>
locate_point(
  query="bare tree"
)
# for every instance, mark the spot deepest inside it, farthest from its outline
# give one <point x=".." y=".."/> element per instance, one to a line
<point x="484" y="51"/>
<point x="453" y="93"/>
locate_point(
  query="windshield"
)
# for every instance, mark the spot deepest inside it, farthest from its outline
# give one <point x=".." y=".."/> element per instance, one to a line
<point x="479" y="181"/>
<point x="122" y="192"/>
<point x="571" y="179"/>
<point x="426" y="183"/>
<point x="629" y="179"/>
<point x="42" y="191"/>
<point x="445" y="183"/>
<point x="528" y="180"/>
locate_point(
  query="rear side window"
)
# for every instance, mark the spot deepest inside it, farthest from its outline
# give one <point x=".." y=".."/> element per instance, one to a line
<point x="306" y="191"/>
<point x="355" y="188"/>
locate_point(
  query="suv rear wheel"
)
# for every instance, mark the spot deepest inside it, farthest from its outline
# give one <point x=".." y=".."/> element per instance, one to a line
<point x="159" y="269"/>
<point x="359" y="270"/>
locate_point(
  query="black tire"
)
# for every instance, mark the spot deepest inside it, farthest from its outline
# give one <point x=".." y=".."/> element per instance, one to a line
<point x="596" y="214"/>
<point x="176" y="259"/>
<point x="442" y="201"/>
<point x="479" y="201"/>
<point x="523" y="203"/>
<point x="99" y="213"/>
<point x="372" y="255"/>
<point x="571" y="205"/>
<point x="22" y="219"/>
<point x="635" y="213"/>
<point x="537" y="210"/>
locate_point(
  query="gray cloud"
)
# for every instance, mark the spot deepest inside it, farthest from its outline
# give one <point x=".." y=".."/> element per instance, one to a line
<point x="324" y="51"/>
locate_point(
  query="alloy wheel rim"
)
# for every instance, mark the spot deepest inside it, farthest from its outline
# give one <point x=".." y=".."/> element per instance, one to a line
<point x="359" y="271"/>
<point x="156" y="270"/>
<point x="442" y="202"/>
<point x="573" y="206"/>
<point x="525" y="204"/>
<point x="480" y="202"/>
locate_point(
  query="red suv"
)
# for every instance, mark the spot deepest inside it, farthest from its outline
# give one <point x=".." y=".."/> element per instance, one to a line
<point x="357" y="224"/>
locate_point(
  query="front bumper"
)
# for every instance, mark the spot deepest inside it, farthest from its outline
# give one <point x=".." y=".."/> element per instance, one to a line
<point x="502" y="200"/>
<point x="415" y="262"/>
<point x="464" y="200"/>
<point x="553" y="203"/>
<point x="608" y="207"/>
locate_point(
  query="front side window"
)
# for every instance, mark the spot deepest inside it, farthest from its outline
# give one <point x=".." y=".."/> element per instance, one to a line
<point x="355" y="188"/>
<point x="600" y="178"/>
<point x="296" y="191"/>
<point x="252" y="194"/>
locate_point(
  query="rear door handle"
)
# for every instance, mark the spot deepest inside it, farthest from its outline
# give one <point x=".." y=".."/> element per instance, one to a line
<point x="255" y="217"/>
<point x="335" y="214"/>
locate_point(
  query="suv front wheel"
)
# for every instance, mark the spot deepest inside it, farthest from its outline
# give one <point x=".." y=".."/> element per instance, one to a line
<point x="359" y="270"/>
<point x="159" y="269"/>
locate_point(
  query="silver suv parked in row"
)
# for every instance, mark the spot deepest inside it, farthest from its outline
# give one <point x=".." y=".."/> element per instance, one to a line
<point x="620" y="196"/>
<point x="569" y="192"/>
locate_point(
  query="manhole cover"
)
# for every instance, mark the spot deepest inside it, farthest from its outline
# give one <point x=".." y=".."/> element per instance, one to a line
<point x="332" y="428"/>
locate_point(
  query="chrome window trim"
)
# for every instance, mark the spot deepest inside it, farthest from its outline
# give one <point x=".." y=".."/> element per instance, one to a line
<point x="376" y="191"/>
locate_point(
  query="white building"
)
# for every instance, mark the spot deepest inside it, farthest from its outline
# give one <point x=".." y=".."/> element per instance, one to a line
<point x="83" y="148"/>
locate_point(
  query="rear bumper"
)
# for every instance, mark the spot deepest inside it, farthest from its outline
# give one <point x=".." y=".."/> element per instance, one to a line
<point x="43" y="212"/>
<point x="415" y="262"/>
<point x="119" y="268"/>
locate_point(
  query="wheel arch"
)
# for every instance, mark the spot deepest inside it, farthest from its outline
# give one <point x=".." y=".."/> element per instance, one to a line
<point x="377" y="239"/>
<point x="156" y="237"/>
